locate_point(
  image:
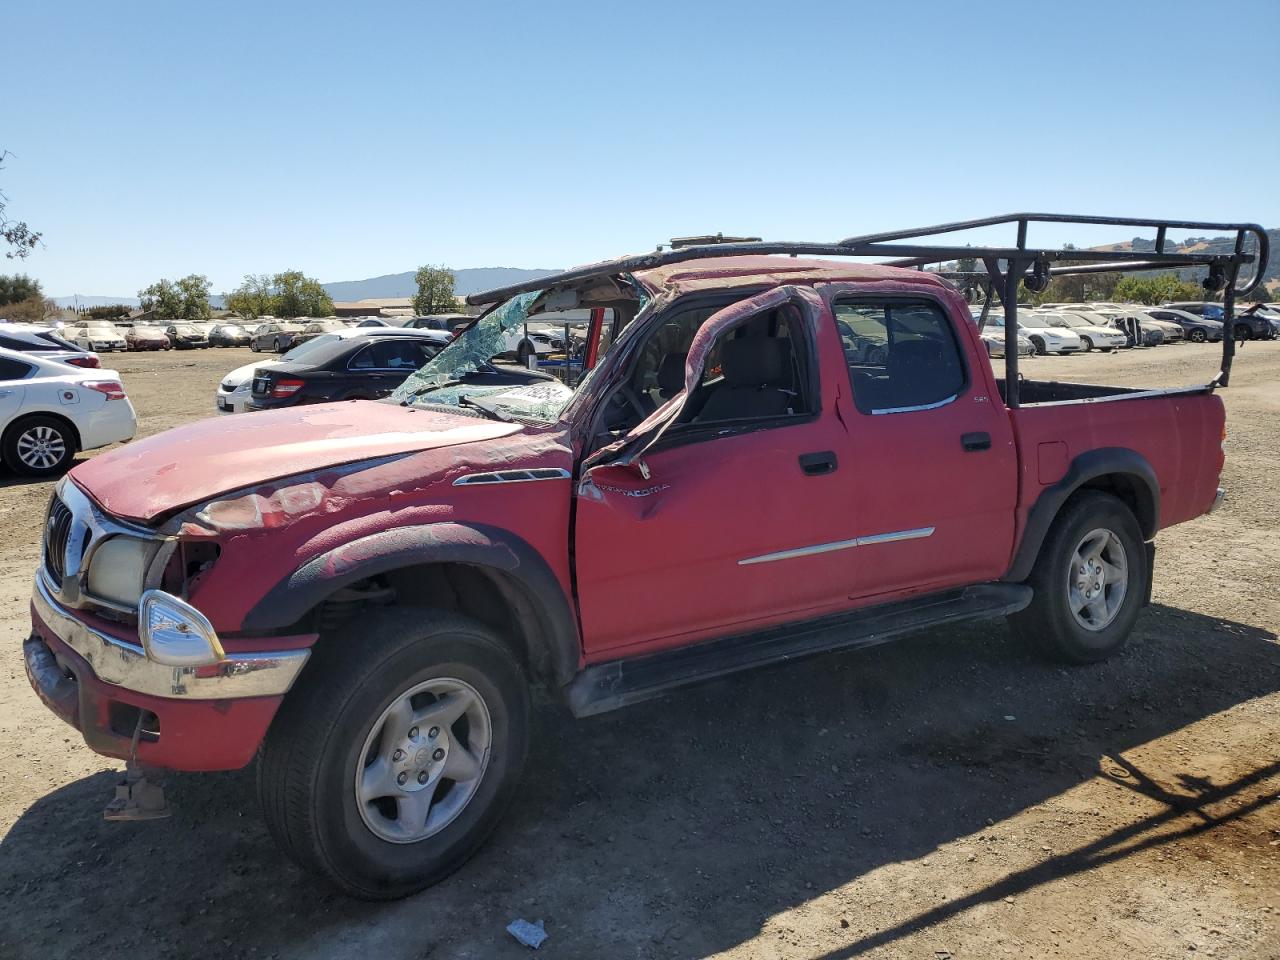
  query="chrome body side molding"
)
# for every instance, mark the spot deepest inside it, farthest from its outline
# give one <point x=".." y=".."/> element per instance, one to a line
<point x="916" y="534"/>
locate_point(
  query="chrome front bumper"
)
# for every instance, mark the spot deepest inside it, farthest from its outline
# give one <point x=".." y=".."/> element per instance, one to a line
<point x="124" y="663"/>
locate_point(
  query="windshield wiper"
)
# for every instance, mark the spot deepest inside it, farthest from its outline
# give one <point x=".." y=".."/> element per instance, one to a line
<point x="494" y="413"/>
<point x="427" y="389"/>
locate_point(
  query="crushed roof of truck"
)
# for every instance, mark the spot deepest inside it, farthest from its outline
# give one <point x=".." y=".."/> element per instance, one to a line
<point x="718" y="272"/>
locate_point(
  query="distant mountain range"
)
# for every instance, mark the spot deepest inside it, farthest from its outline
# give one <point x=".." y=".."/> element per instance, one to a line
<point x="469" y="280"/>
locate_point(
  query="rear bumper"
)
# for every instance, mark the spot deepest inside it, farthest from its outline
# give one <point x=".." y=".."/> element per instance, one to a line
<point x="193" y="718"/>
<point x="115" y="422"/>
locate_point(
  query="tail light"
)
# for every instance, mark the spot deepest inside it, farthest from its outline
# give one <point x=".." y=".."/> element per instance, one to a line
<point x="112" y="389"/>
<point x="86" y="361"/>
<point x="286" y="387"/>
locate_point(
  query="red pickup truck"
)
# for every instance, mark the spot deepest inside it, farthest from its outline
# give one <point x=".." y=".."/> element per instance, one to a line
<point x="774" y="456"/>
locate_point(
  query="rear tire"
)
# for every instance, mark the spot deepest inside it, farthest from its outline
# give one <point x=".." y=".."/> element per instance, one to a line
<point x="342" y="784"/>
<point x="39" y="446"/>
<point x="1065" y="578"/>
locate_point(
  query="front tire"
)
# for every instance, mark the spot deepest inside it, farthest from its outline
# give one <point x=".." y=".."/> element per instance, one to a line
<point x="39" y="446"/>
<point x="397" y="752"/>
<point x="1089" y="582"/>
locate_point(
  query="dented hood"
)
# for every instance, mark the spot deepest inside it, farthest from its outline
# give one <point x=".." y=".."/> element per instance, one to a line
<point x="150" y="478"/>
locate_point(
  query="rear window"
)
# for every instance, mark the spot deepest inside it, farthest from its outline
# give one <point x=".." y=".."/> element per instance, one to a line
<point x="902" y="354"/>
<point x="14" y="343"/>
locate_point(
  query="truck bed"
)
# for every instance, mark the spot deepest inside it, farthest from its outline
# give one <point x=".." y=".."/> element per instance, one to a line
<point x="1059" y="391"/>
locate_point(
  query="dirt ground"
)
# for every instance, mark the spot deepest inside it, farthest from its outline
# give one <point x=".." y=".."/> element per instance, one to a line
<point x="948" y="796"/>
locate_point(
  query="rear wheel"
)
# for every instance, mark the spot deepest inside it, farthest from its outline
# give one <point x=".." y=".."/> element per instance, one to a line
<point x="395" y="755"/>
<point x="39" y="446"/>
<point x="1088" y="580"/>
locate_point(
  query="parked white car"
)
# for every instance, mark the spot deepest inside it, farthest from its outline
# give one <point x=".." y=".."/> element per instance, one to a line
<point x="1045" y="338"/>
<point x="1094" y="331"/>
<point x="49" y="411"/>
<point x="98" y="335"/>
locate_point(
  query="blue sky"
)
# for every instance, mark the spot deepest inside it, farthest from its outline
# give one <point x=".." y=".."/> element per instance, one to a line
<point x="351" y="140"/>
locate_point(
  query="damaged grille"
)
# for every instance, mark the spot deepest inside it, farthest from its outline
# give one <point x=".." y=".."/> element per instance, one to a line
<point x="57" y="531"/>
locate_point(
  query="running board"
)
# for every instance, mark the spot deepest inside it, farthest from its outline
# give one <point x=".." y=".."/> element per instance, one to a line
<point x="617" y="683"/>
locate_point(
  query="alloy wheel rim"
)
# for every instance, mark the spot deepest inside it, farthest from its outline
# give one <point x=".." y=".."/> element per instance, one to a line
<point x="423" y="760"/>
<point x="1097" y="580"/>
<point x="41" y="447"/>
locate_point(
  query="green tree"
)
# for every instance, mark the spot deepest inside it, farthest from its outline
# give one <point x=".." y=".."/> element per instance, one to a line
<point x="254" y="298"/>
<point x="15" y="233"/>
<point x="185" y="299"/>
<point x="435" y="291"/>
<point x="195" y="297"/>
<point x="18" y="287"/>
<point x="115" y="311"/>
<point x="297" y="295"/>
<point x="1160" y="288"/>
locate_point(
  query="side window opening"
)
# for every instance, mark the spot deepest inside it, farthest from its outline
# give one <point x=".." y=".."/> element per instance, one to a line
<point x="901" y="354"/>
<point x="759" y="369"/>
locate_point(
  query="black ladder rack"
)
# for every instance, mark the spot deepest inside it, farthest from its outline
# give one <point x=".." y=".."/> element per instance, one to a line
<point x="1006" y="266"/>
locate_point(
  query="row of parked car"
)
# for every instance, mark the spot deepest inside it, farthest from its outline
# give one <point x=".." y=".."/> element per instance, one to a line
<point x="1062" y="328"/>
<point x="103" y="336"/>
<point x="280" y="336"/>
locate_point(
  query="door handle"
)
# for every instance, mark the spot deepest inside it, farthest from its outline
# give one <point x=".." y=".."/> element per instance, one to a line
<point x="818" y="464"/>
<point x="976" y="441"/>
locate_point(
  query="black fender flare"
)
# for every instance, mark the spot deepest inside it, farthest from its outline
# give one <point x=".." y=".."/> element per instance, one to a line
<point x="541" y="607"/>
<point x="1119" y="462"/>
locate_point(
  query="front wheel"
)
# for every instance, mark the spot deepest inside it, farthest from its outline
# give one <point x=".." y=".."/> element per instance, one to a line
<point x="397" y="752"/>
<point x="1089" y="581"/>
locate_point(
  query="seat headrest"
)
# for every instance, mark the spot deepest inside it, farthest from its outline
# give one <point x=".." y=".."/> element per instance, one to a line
<point x="671" y="374"/>
<point x="752" y="361"/>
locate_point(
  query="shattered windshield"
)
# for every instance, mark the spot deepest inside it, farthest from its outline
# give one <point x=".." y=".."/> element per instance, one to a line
<point x="461" y="369"/>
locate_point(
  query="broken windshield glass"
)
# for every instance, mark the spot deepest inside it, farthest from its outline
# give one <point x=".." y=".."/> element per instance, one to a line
<point x="459" y="370"/>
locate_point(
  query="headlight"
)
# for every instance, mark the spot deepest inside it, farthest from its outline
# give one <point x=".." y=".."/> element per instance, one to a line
<point x="118" y="567"/>
<point x="176" y="633"/>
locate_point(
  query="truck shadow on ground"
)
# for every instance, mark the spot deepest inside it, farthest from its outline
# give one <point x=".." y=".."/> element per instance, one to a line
<point x="677" y="828"/>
